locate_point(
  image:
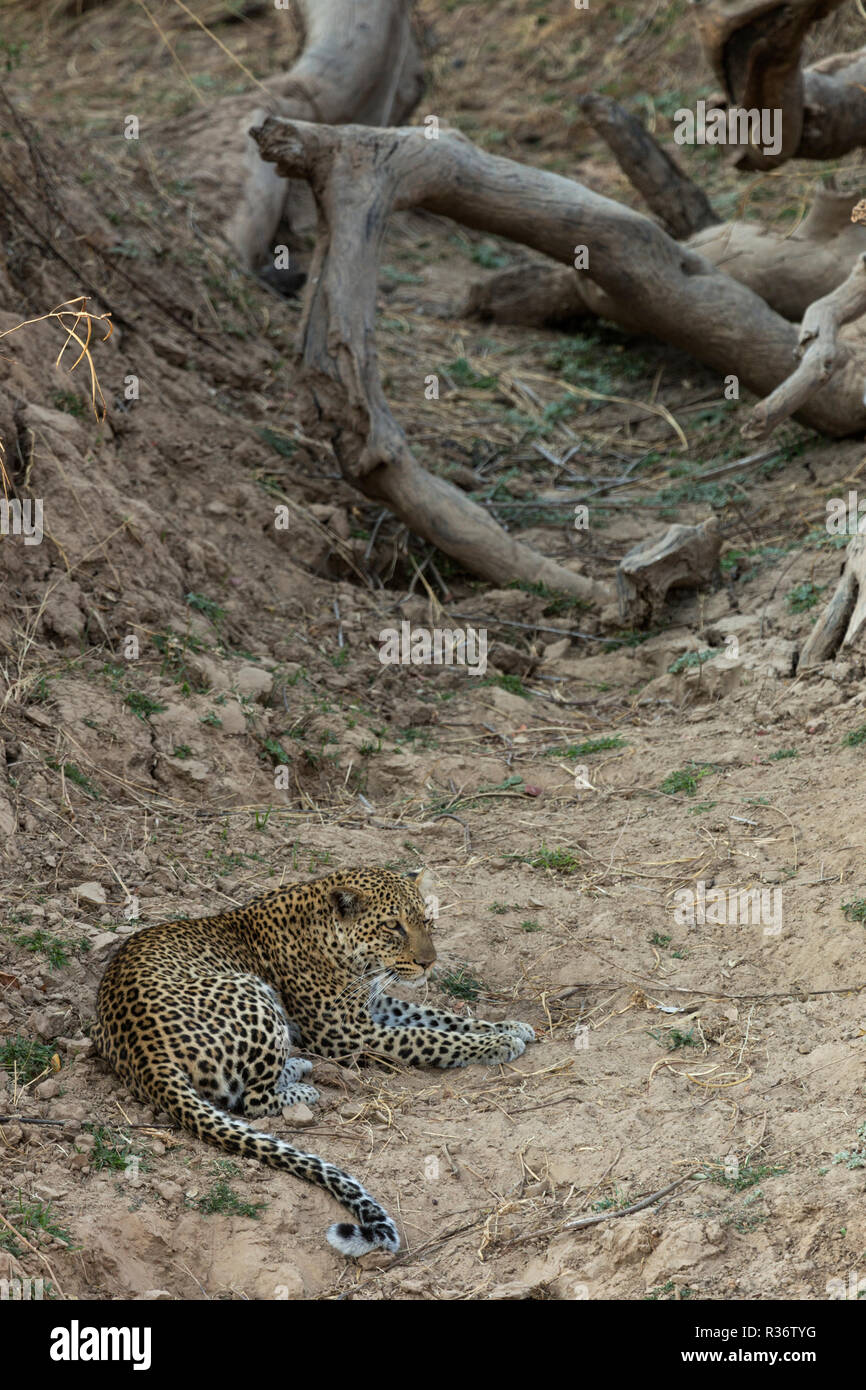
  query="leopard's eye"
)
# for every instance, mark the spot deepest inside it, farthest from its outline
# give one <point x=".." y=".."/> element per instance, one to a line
<point x="398" y="928"/>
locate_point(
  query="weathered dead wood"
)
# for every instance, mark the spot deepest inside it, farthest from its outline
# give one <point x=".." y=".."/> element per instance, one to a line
<point x="820" y="350"/>
<point x="755" y="48"/>
<point x="358" y="176"/>
<point x="681" y="207"/>
<point x="834" y="107"/>
<point x="788" y="270"/>
<point x="637" y="275"/>
<point x="685" y="557"/>
<point x="359" y="63"/>
<point x="843" y="620"/>
<point x="537" y="295"/>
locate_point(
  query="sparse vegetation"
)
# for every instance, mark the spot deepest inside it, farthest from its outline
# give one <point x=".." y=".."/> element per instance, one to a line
<point x="25" y="1058"/>
<point x="460" y="982"/>
<point x="142" y="705"/>
<point x="222" y="1197"/>
<point x="686" y="779"/>
<point x="804" y="596"/>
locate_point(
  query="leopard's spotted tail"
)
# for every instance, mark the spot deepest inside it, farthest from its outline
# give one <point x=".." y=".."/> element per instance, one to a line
<point x="374" y="1229"/>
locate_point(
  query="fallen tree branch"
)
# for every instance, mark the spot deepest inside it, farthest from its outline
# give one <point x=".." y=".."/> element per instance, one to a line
<point x="359" y="63"/>
<point x="680" y="205"/>
<point x="636" y="275"/>
<point x="358" y="176"/>
<point x="844" y="617"/>
<point x="755" y="49"/>
<point x="789" y="270"/>
<point x="819" y="350"/>
<point x="685" y="557"/>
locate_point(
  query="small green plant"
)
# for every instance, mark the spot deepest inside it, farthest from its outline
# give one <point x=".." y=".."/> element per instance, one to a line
<point x="460" y="983"/>
<point x="855" y="737"/>
<point x="561" y="861"/>
<point x="12" y="53"/>
<point x="76" y="776"/>
<point x="558" y="602"/>
<point x="670" y="1291"/>
<point x="112" y="1149"/>
<point x="530" y="925"/>
<point x="804" y="596"/>
<point x="854" y="1157"/>
<point x="25" y="1058"/>
<point x="686" y="779"/>
<point x="182" y="751"/>
<point x="742" y="1176"/>
<point x="688" y="660"/>
<point x="208" y="606"/>
<point x="463" y="375"/>
<point x="855" y="910"/>
<point x="507" y="682"/>
<point x="223" y="1198"/>
<point x="40" y="692"/>
<point x="54" y="948"/>
<point x="211" y="718"/>
<point x="489" y="255"/>
<point x="69" y="402"/>
<point x="280" y="443"/>
<point x="142" y="706"/>
<point x="730" y="560"/>
<point x="592" y="745"/>
<point x="781" y="753"/>
<point x="659" y="939"/>
<point x="32" y="1217"/>
<point x="618" y="1199"/>
<point x="418" y="738"/>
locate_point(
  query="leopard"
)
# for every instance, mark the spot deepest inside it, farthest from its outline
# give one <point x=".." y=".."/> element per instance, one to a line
<point x="202" y="1019"/>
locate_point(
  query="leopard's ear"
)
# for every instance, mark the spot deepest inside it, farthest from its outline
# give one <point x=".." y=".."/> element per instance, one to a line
<point x="423" y="881"/>
<point x="346" y="903"/>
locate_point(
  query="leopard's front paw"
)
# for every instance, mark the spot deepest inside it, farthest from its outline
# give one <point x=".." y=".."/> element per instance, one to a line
<point x="295" y="1068"/>
<point x="524" y="1031"/>
<point x="299" y="1094"/>
<point x="506" y="1050"/>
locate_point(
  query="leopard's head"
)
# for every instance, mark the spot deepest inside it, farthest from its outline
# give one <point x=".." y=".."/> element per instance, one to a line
<point x="381" y="921"/>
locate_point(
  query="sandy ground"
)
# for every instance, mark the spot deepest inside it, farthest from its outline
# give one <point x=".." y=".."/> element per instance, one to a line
<point x="166" y="645"/>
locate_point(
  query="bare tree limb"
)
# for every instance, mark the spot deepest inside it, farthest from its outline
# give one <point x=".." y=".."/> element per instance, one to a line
<point x="358" y="175"/>
<point x="819" y="350"/>
<point x="844" y="617"/>
<point x="359" y="63"/>
<point x="637" y="275"/>
<point x="680" y="206"/>
<point x="755" y="48"/>
<point x="789" y="270"/>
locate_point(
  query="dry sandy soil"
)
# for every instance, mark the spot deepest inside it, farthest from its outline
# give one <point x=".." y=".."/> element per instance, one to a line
<point x="724" y="1055"/>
